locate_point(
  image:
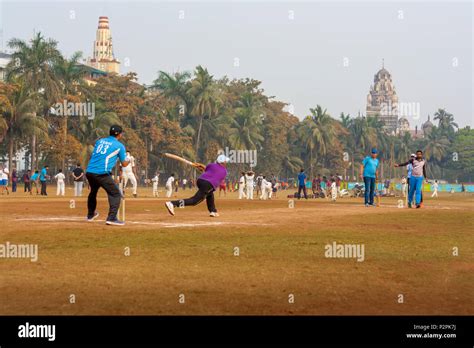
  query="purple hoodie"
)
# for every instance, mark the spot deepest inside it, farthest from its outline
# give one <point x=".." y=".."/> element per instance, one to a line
<point x="214" y="173"/>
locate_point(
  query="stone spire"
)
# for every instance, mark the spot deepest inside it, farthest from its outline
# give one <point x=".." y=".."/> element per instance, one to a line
<point x="103" y="54"/>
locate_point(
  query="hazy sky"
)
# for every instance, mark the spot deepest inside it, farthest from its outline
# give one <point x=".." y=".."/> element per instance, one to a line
<point x="297" y="49"/>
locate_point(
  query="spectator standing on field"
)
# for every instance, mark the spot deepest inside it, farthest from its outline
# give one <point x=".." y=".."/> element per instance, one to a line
<point x="14" y="179"/>
<point x="435" y="189"/>
<point x="78" y="175"/>
<point x="34" y="181"/>
<point x="60" y="183"/>
<point x="26" y="181"/>
<point x="44" y="176"/>
<point x="302" y="184"/>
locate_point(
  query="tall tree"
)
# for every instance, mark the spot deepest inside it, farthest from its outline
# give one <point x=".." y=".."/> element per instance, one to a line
<point x="33" y="64"/>
<point x="206" y="100"/>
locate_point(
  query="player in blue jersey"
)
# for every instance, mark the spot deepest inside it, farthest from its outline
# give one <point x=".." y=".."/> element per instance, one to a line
<point x="98" y="173"/>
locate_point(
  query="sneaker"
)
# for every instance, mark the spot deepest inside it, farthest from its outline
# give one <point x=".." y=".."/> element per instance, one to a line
<point x="366" y="205"/>
<point x="115" y="222"/>
<point x="92" y="218"/>
<point x="418" y="206"/>
<point x="170" y="207"/>
<point x="214" y="214"/>
<point x="409" y="205"/>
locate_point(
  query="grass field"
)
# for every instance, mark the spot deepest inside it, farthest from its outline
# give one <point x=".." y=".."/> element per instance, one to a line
<point x="282" y="252"/>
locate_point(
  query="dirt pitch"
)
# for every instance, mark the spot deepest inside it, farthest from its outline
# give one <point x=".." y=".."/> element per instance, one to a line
<point x="407" y="251"/>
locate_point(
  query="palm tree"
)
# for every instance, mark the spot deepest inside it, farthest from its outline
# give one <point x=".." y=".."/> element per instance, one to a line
<point x="17" y="116"/>
<point x="246" y="126"/>
<point x="71" y="78"/>
<point x="318" y="131"/>
<point x="206" y="100"/>
<point x="345" y="120"/>
<point x="174" y="86"/>
<point x="436" y="148"/>
<point x="33" y="64"/>
<point x="446" y="122"/>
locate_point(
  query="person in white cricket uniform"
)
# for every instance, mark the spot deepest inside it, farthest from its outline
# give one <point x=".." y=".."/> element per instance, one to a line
<point x="169" y="186"/>
<point x="155" y="181"/>
<point x="404" y="186"/>
<point x="128" y="173"/>
<point x="249" y="177"/>
<point x="266" y="188"/>
<point x="333" y="190"/>
<point x="435" y="189"/>
<point x="242" y="186"/>
<point x="60" y="183"/>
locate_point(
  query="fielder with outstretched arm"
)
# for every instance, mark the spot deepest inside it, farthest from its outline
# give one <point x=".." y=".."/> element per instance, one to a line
<point x="418" y="174"/>
<point x="207" y="183"/>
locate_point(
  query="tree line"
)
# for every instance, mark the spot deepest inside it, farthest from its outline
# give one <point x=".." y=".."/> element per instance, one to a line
<point x="194" y="114"/>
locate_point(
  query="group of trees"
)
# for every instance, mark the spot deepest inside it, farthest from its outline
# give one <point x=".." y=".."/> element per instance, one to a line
<point x="195" y="115"/>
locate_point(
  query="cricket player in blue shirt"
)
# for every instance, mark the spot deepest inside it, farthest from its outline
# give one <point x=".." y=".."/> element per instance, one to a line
<point x="368" y="170"/>
<point x="98" y="173"/>
<point x="44" y="176"/>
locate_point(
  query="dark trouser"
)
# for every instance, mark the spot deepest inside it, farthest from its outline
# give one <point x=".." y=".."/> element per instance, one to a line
<point x="302" y="187"/>
<point x="96" y="181"/>
<point x="27" y="186"/>
<point x="44" y="185"/>
<point x="205" y="191"/>
<point x="369" y="189"/>
<point x="13" y="186"/>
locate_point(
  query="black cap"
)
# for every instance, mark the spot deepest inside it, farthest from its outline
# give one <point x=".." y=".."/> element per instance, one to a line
<point x="115" y="130"/>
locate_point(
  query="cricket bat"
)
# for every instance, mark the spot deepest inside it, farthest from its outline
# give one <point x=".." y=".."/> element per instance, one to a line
<point x="183" y="160"/>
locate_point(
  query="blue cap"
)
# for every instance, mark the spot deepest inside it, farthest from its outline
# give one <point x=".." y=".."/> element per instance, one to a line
<point x="374" y="150"/>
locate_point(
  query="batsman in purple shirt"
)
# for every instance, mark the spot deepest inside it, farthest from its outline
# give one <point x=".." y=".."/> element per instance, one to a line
<point x="207" y="183"/>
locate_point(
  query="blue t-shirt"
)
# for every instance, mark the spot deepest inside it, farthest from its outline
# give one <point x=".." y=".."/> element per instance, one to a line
<point x="43" y="174"/>
<point x="104" y="156"/>
<point x="301" y="177"/>
<point x="370" y="166"/>
<point x="409" y="168"/>
<point x="34" y="176"/>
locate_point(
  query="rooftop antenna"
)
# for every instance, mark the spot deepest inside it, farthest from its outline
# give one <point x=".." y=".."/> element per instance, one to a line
<point x="383" y="65"/>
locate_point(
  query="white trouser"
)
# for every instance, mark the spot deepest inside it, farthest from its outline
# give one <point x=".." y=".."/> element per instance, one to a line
<point x="404" y="189"/>
<point x="130" y="176"/>
<point x="78" y="188"/>
<point x="270" y="192"/>
<point x="249" y="191"/>
<point x="435" y="193"/>
<point x="155" y="189"/>
<point x="60" y="189"/>
<point x="169" y="190"/>
<point x="241" y="191"/>
<point x="264" y="193"/>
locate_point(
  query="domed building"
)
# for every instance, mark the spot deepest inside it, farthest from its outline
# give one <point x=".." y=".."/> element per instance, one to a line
<point x="382" y="100"/>
<point x="427" y="127"/>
